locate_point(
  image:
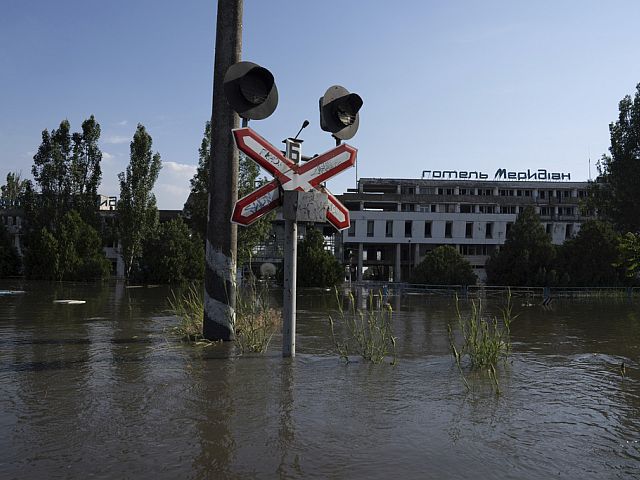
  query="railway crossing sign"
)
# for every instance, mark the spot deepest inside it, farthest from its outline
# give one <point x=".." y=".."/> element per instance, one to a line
<point x="290" y="176"/>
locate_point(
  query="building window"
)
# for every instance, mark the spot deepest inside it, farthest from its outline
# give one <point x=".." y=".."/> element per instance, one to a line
<point x="352" y="229"/>
<point x="469" y="230"/>
<point x="488" y="232"/>
<point x="407" y="228"/>
<point x="389" y="229"/>
<point x="447" y="229"/>
<point x="370" y="226"/>
<point x="487" y="208"/>
<point x="508" y="231"/>
<point x="568" y="231"/>
<point x="548" y="228"/>
<point x="466" y="208"/>
<point x="427" y="229"/>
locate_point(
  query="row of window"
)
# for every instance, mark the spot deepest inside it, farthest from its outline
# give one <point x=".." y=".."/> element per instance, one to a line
<point x="471" y="208"/>
<point x="490" y="192"/>
<point x="448" y="227"/>
<point x="408" y="229"/>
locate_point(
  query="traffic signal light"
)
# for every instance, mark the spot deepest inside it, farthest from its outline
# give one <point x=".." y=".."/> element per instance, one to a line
<point x="251" y="90"/>
<point x="339" y="112"/>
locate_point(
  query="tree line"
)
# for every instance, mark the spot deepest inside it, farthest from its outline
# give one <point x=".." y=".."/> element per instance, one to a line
<point x="64" y="235"/>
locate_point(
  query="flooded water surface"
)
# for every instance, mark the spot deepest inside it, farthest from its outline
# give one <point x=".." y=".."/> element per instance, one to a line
<point x="103" y="390"/>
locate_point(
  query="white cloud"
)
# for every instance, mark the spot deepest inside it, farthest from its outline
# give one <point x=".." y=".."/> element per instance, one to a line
<point x="180" y="168"/>
<point x="171" y="196"/>
<point x="116" y="139"/>
<point x="107" y="156"/>
<point x="123" y="123"/>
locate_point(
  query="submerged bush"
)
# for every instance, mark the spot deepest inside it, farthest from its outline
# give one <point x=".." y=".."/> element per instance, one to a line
<point x="189" y="308"/>
<point x="256" y="321"/>
<point x="484" y="342"/>
<point x="365" y="333"/>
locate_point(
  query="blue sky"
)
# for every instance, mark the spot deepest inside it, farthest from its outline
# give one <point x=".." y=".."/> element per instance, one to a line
<point x="463" y="85"/>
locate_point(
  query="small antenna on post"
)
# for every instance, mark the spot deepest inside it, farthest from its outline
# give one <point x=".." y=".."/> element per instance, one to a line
<point x="305" y="124"/>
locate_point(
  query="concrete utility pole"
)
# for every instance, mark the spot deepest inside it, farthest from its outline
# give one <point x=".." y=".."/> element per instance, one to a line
<point x="221" y="245"/>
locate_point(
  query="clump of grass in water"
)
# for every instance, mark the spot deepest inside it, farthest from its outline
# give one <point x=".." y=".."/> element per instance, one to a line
<point x="189" y="308"/>
<point x="365" y="333"/>
<point x="484" y="342"/>
<point x="255" y="322"/>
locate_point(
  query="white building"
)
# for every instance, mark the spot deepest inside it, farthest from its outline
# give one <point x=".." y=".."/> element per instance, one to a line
<point x="395" y="222"/>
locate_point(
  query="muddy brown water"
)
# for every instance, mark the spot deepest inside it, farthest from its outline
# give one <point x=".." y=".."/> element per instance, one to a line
<point x="102" y="390"/>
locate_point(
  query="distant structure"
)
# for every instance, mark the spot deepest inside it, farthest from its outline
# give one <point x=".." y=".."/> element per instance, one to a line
<point x="396" y="222"/>
<point x="12" y="217"/>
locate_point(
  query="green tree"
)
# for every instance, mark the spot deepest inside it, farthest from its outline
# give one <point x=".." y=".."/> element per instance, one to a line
<point x="589" y="259"/>
<point x="50" y="170"/>
<point x="527" y="256"/>
<point x="80" y="254"/>
<point x="196" y="207"/>
<point x="444" y="266"/>
<point x="615" y="193"/>
<point x="629" y="255"/>
<point x="12" y="192"/>
<point x="72" y="252"/>
<point x="317" y="267"/>
<point x="42" y="259"/>
<point x="173" y="254"/>
<point x="137" y="211"/>
<point x="9" y="258"/>
<point x="85" y="171"/>
<point x="67" y="171"/>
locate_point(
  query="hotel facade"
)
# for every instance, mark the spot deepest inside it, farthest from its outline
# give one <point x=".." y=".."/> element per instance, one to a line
<point x="396" y="222"/>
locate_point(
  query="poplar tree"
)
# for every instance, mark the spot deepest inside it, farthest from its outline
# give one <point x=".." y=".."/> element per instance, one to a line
<point x="50" y="170"/>
<point x="196" y="206"/>
<point x="615" y="192"/>
<point x="85" y="172"/>
<point x="137" y="211"/>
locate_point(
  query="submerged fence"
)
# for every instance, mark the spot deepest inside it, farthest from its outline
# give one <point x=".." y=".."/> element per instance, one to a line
<point x="484" y="291"/>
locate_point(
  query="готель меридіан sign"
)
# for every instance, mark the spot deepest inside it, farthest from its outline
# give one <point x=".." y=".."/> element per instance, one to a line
<point x="501" y="174"/>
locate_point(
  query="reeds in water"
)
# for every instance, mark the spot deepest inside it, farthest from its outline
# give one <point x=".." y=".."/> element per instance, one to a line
<point x="367" y="333"/>
<point x="188" y="306"/>
<point x="255" y="323"/>
<point x="256" y="320"/>
<point x="483" y="342"/>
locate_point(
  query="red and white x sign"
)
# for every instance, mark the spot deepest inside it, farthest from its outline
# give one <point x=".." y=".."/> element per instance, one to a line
<point x="289" y="176"/>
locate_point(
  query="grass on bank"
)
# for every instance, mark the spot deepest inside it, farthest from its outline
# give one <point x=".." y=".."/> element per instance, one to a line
<point x="256" y="321"/>
<point x="367" y="333"/>
<point x="483" y="342"/>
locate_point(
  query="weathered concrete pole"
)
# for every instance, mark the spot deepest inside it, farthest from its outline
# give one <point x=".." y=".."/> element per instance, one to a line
<point x="221" y="244"/>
